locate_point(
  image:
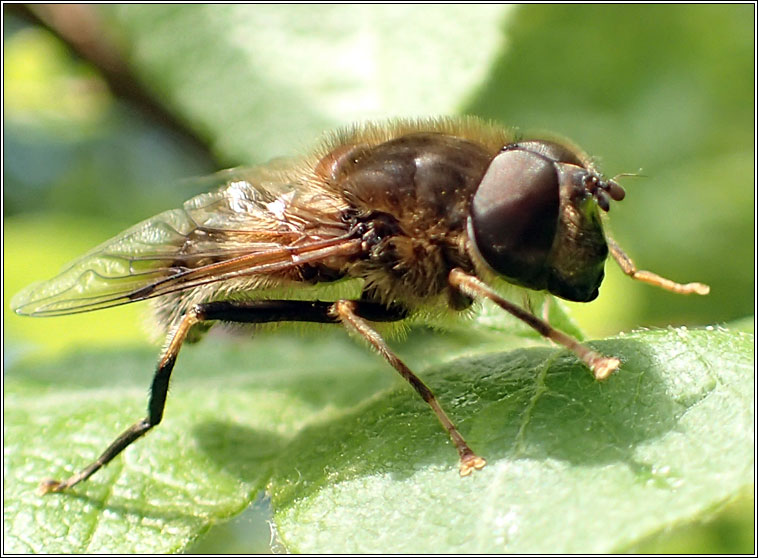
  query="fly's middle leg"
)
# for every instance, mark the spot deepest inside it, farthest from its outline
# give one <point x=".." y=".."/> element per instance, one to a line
<point x="348" y="313"/>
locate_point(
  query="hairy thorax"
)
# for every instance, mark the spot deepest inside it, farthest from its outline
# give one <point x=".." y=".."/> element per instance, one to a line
<point x="412" y="196"/>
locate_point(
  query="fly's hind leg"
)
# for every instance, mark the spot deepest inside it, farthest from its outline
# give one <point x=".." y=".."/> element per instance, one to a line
<point x="262" y="311"/>
<point x="250" y="312"/>
<point x="349" y="313"/>
<point x="157" y="403"/>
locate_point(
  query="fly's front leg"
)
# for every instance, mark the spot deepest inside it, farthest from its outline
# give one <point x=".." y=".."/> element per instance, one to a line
<point x="627" y="266"/>
<point x="349" y="313"/>
<point x="601" y="366"/>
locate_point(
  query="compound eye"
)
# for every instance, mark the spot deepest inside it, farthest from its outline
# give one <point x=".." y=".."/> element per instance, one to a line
<point x="514" y="215"/>
<point x="552" y="150"/>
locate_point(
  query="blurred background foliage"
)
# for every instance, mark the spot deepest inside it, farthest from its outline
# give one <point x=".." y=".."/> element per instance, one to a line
<point x="107" y="109"/>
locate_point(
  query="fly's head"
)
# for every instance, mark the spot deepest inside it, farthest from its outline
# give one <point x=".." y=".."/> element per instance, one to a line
<point x="535" y="219"/>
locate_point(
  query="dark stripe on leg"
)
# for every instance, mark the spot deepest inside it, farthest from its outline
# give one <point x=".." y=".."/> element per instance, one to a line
<point x="138" y="429"/>
<point x="262" y="311"/>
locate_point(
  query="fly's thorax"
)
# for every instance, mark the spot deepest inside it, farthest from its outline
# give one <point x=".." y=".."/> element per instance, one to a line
<point x="410" y="196"/>
<point x="423" y="180"/>
<point x="408" y="268"/>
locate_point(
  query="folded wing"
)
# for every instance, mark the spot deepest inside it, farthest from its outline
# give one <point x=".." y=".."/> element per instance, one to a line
<point x="260" y="222"/>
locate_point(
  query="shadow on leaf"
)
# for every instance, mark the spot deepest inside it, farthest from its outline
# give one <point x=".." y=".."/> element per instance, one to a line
<point x="530" y="403"/>
<point x="240" y="450"/>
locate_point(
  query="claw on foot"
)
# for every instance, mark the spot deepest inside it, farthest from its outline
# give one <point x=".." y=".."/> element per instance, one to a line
<point x="50" y="485"/>
<point x="469" y="463"/>
<point x="604" y="367"/>
<point x="697" y="288"/>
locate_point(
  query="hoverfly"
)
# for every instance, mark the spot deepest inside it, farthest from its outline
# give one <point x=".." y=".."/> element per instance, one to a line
<point x="418" y="215"/>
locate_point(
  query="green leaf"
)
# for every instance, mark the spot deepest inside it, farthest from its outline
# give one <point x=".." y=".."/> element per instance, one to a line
<point x="262" y="81"/>
<point x="258" y="82"/>
<point x="231" y="408"/>
<point x="354" y="461"/>
<point x="574" y="465"/>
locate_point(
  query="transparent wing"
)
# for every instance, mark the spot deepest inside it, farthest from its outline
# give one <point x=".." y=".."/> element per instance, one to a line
<point x="260" y="222"/>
